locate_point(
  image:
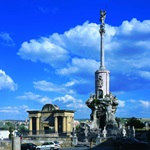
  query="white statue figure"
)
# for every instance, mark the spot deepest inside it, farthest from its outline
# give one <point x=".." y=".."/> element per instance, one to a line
<point x="104" y="132"/>
<point x="103" y="16"/>
<point x="124" y="132"/>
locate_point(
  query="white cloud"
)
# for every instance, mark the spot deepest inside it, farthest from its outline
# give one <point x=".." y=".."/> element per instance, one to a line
<point x="145" y="74"/>
<point x="66" y="98"/>
<point x="48" y="86"/>
<point x="71" y="101"/>
<point x="73" y="82"/>
<point x="77" y="35"/>
<point x="76" y="54"/>
<point x="132" y="101"/>
<point x="134" y="26"/>
<point x="128" y="41"/>
<point x="45" y="51"/>
<point x="133" y="108"/>
<point x="77" y="105"/>
<point x="121" y="103"/>
<point x="79" y="66"/>
<point x="64" y="88"/>
<point x="6" y="82"/>
<point x="35" y="97"/>
<point x="13" y="109"/>
<point x="145" y="104"/>
<point x="6" y="39"/>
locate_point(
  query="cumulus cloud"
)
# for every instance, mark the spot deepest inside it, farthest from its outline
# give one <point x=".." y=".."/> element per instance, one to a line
<point x="71" y="102"/>
<point x="133" y="108"/>
<point x="35" y="97"/>
<point x="78" y="66"/>
<point x="45" y="51"/>
<point x="66" y="98"/>
<point x="6" y="82"/>
<point x="76" y="54"/>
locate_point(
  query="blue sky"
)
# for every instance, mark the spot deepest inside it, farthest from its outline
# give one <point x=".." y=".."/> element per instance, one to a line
<point x="49" y="52"/>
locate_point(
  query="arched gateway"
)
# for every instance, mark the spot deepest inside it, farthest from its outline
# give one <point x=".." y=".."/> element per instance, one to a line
<point x="50" y="120"/>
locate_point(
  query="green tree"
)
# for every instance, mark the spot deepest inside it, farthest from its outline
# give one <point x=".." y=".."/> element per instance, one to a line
<point x="6" y="126"/>
<point x="118" y="120"/>
<point x="134" y="122"/>
<point x="10" y="133"/>
<point x="23" y="129"/>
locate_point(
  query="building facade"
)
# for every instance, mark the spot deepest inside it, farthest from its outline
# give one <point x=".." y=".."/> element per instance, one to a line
<point x="50" y="120"/>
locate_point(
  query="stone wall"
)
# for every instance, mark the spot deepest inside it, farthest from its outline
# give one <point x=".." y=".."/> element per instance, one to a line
<point x="5" y="145"/>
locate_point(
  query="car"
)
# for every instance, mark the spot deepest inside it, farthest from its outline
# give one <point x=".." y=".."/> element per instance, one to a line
<point x="57" y="144"/>
<point x="28" y="146"/>
<point x="131" y="143"/>
<point x="52" y="145"/>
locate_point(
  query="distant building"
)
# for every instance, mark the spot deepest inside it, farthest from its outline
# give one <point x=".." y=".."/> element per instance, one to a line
<point x="50" y="120"/>
<point x="4" y="134"/>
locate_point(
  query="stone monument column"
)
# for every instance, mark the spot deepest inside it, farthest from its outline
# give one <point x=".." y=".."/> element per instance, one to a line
<point x="102" y="75"/>
<point x="101" y="116"/>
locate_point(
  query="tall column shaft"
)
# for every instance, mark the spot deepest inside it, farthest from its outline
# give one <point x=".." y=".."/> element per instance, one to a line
<point x="37" y="125"/>
<point x="64" y="124"/>
<point x="102" y="65"/>
<point x="56" y="125"/>
<point x="30" y="126"/>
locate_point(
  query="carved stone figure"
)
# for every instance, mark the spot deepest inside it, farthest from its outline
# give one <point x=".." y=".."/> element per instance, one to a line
<point x="100" y="81"/>
<point x="103" y="110"/>
<point x="102" y="16"/>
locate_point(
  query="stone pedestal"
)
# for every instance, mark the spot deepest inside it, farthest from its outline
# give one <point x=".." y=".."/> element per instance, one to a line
<point x="16" y="143"/>
<point x="124" y="132"/>
<point x="133" y="132"/>
<point x="74" y="140"/>
<point x="98" y="140"/>
<point x="86" y="139"/>
<point x="104" y="132"/>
